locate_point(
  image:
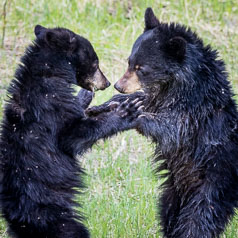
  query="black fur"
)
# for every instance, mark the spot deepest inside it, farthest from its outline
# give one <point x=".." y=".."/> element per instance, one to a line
<point x="192" y="118"/>
<point x="43" y="129"/>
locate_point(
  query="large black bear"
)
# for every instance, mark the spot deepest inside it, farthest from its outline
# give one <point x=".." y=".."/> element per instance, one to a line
<point x="44" y="127"/>
<point x="192" y="118"/>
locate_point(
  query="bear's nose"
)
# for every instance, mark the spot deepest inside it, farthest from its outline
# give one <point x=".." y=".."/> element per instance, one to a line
<point x="117" y="87"/>
<point x="108" y="84"/>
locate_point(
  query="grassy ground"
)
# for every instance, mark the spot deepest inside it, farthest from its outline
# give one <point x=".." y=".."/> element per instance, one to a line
<point x="121" y="197"/>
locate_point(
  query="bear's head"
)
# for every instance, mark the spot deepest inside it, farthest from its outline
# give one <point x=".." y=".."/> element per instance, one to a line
<point x="157" y="55"/>
<point x="65" y="52"/>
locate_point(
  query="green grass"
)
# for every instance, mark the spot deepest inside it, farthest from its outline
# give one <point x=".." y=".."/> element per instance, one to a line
<point x="120" y="200"/>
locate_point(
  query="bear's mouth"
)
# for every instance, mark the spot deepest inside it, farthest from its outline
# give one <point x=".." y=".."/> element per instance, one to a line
<point x="96" y="82"/>
<point x="129" y="83"/>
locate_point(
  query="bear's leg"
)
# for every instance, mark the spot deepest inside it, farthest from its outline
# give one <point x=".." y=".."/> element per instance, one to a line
<point x="61" y="228"/>
<point x="72" y="229"/>
<point x="108" y="106"/>
<point x="205" y="212"/>
<point x="169" y="208"/>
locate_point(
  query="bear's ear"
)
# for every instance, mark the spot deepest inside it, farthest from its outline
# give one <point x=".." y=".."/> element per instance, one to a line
<point x="60" y="39"/>
<point x="176" y="48"/>
<point x="39" y="30"/>
<point x="52" y="38"/>
<point x="150" y="19"/>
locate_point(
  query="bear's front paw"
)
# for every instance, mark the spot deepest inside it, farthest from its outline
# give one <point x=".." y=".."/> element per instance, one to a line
<point x="97" y="110"/>
<point x="85" y="97"/>
<point x="130" y="110"/>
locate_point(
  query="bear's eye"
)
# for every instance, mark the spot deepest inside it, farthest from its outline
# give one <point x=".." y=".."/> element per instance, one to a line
<point x="144" y="70"/>
<point x="95" y="65"/>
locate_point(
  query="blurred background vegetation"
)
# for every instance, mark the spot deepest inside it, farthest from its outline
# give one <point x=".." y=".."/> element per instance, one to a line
<point x="120" y="200"/>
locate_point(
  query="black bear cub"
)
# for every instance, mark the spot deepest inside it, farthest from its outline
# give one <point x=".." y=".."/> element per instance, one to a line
<point x="191" y="116"/>
<point x="44" y="127"/>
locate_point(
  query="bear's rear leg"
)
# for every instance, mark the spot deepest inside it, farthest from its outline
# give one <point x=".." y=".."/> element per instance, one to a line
<point x="72" y="229"/>
<point x="169" y="209"/>
<point x="59" y="229"/>
<point x="204" y="213"/>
